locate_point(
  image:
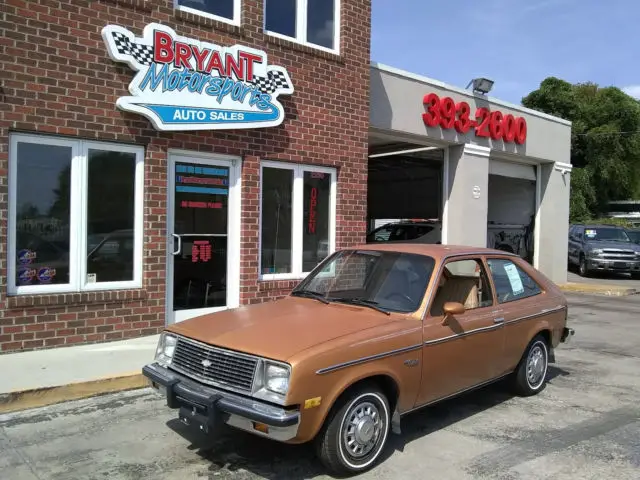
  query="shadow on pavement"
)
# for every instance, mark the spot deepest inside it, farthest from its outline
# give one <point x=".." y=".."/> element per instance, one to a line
<point x="234" y="451"/>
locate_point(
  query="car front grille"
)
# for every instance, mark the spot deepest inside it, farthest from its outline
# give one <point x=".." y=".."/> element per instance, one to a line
<point x="614" y="254"/>
<point x="214" y="366"/>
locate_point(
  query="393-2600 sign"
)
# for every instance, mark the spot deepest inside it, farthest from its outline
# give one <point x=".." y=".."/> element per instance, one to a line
<point x="446" y="113"/>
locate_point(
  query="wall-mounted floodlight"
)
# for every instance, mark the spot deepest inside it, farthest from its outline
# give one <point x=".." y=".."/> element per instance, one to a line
<point x="481" y="85"/>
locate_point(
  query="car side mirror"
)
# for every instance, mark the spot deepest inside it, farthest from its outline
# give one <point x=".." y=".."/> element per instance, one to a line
<point x="453" y="308"/>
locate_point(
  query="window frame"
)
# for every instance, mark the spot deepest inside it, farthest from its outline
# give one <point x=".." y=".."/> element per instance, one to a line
<point x="520" y="269"/>
<point x="301" y="27"/>
<point x="78" y="216"/>
<point x="236" y="20"/>
<point x="297" y="223"/>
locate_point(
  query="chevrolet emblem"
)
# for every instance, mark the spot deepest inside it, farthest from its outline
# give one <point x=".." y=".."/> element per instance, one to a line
<point x="206" y="363"/>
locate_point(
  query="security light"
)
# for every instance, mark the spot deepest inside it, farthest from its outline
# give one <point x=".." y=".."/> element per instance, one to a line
<point x="481" y="85"/>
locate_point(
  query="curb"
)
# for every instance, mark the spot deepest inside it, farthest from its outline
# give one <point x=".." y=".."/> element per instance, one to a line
<point x="41" y="397"/>
<point x="609" y="290"/>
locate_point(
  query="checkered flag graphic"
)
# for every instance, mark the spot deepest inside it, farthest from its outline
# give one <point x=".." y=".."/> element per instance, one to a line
<point x="274" y="81"/>
<point x="143" y="54"/>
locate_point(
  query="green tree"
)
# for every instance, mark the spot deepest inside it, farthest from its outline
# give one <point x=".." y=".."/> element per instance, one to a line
<point x="605" y="141"/>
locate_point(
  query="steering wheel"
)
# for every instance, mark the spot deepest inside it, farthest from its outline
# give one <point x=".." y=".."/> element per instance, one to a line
<point x="404" y="296"/>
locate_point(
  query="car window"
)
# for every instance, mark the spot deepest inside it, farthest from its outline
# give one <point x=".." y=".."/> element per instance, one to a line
<point x="606" y="234"/>
<point x="392" y="281"/>
<point x="634" y="236"/>
<point x="401" y="232"/>
<point x="465" y="282"/>
<point x="381" y="234"/>
<point x="421" y="230"/>
<point x="511" y="282"/>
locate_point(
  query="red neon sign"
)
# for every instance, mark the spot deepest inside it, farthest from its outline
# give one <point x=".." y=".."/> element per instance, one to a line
<point x="448" y="114"/>
<point x="312" y="211"/>
<point x="201" y="251"/>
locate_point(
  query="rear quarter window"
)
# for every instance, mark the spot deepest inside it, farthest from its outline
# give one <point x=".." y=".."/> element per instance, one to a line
<point x="511" y="282"/>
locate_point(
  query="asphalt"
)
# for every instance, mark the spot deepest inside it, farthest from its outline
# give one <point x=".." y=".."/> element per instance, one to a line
<point x="585" y="425"/>
<point x="618" y="280"/>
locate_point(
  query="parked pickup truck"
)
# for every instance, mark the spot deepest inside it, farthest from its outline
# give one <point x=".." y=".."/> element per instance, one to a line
<point x="604" y="248"/>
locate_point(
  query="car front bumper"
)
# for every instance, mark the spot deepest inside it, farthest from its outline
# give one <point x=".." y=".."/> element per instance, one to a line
<point x="624" y="266"/>
<point x="567" y="333"/>
<point x="205" y="407"/>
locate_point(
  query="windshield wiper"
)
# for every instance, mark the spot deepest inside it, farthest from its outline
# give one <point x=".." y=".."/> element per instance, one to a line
<point x="361" y="302"/>
<point x="310" y="294"/>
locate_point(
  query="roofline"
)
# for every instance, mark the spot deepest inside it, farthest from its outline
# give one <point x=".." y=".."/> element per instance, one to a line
<point x="496" y="101"/>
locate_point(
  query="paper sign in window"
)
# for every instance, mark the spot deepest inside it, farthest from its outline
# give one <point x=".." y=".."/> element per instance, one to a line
<point x="514" y="279"/>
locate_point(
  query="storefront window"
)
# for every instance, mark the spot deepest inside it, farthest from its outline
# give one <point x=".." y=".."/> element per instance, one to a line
<point x="110" y="225"/>
<point x="42" y="204"/>
<point x="277" y="221"/>
<point x="307" y="21"/>
<point x="75" y="215"/>
<point x="297" y="218"/>
<point x="225" y="10"/>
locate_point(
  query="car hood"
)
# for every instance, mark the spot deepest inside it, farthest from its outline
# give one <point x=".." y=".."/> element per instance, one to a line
<point x="280" y="329"/>
<point x="613" y="245"/>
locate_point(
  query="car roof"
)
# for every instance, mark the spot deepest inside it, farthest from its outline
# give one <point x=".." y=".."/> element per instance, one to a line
<point x="436" y="251"/>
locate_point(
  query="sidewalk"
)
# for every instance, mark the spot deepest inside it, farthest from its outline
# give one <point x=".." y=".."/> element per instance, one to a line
<point x="43" y="377"/>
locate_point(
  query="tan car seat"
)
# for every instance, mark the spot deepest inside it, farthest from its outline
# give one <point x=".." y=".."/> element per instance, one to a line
<point x="455" y="288"/>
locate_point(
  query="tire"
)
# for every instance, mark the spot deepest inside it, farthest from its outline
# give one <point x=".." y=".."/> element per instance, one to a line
<point x="635" y="275"/>
<point x="530" y="378"/>
<point x="331" y="445"/>
<point x="583" y="270"/>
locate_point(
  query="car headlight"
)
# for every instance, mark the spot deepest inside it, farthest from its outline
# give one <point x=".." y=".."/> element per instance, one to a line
<point x="596" y="251"/>
<point x="166" y="347"/>
<point x="272" y="381"/>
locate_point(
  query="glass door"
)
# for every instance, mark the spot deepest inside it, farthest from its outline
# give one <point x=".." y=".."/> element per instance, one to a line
<point x="199" y="229"/>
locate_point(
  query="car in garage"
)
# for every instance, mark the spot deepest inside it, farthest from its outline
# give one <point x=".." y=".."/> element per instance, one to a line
<point x="418" y="231"/>
<point x="370" y="335"/>
<point x="602" y="248"/>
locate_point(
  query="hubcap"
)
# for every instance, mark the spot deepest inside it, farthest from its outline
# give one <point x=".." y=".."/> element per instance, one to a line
<point x="362" y="429"/>
<point x="536" y="365"/>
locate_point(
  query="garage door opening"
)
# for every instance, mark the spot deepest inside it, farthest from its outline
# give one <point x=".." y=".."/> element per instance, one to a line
<point x="512" y="208"/>
<point x="404" y="198"/>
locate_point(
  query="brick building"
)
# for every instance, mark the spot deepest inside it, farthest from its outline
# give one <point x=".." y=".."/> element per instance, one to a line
<point x="163" y="159"/>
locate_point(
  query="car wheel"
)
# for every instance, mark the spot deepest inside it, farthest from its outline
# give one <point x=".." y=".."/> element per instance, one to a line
<point x="583" y="269"/>
<point x="531" y="375"/>
<point x="355" y="432"/>
<point x="635" y="275"/>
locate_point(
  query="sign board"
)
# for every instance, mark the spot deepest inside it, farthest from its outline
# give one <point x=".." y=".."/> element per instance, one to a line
<point x="447" y="114"/>
<point x="185" y="84"/>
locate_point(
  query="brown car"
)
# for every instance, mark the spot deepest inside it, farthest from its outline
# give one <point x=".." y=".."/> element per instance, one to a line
<point x="372" y="334"/>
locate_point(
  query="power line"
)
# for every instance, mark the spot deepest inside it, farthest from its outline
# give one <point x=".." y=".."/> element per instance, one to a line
<point x="607" y="133"/>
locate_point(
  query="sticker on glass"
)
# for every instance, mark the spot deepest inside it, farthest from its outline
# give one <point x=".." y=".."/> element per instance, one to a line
<point x="514" y="279"/>
<point x="26" y="256"/>
<point x="25" y="275"/>
<point x="590" y="233"/>
<point x="46" y="274"/>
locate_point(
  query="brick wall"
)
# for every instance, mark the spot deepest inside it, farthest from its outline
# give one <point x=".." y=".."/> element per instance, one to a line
<point x="57" y="78"/>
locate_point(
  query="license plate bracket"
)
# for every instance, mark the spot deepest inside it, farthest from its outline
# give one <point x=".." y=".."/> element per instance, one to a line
<point x="620" y="264"/>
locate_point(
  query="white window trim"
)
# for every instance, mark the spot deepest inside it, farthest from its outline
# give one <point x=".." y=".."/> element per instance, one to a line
<point x="301" y="27"/>
<point x="78" y="217"/>
<point x="237" y="6"/>
<point x="298" y="217"/>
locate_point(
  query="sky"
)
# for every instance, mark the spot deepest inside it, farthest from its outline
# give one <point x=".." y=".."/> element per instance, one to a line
<point x="516" y="43"/>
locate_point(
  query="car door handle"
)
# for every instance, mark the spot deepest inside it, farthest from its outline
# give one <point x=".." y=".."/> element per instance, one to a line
<point x="498" y="320"/>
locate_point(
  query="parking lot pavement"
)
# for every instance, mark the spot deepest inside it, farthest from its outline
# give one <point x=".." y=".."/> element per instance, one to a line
<point x="585" y="425"/>
<point x="619" y="280"/>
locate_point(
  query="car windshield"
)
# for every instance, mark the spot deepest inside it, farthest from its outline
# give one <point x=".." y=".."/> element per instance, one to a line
<point x="634" y="235"/>
<point x="386" y="281"/>
<point x="606" y="234"/>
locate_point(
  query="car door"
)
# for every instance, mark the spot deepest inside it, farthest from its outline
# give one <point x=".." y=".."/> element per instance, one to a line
<point x="460" y="351"/>
<point x="575" y="244"/>
<point x="520" y="302"/>
<point x="572" y="230"/>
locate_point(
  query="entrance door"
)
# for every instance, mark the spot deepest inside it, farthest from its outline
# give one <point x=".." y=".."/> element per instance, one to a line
<point x="203" y="264"/>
